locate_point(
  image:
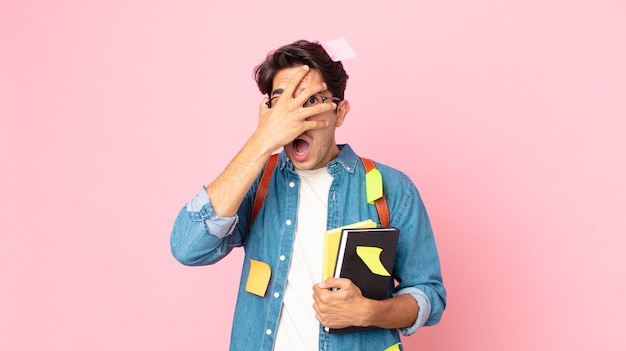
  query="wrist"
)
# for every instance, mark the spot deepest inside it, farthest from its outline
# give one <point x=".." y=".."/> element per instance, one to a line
<point x="392" y="313"/>
<point x="262" y="144"/>
<point x="373" y="310"/>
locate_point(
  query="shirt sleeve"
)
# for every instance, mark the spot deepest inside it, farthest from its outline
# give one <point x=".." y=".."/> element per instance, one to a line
<point x="424" y="309"/>
<point x="217" y="225"/>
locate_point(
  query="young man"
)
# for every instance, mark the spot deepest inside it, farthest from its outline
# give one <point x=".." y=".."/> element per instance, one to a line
<point x="316" y="185"/>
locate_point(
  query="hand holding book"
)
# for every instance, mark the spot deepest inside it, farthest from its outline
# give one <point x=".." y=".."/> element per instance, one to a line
<point x="339" y="303"/>
<point x="365" y="258"/>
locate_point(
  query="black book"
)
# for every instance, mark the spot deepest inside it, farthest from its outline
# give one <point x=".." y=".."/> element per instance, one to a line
<point x="367" y="256"/>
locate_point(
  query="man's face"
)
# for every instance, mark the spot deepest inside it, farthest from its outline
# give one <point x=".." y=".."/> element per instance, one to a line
<point x="314" y="148"/>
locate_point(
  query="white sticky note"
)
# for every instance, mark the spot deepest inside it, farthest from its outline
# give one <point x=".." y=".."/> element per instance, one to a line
<point x="338" y="49"/>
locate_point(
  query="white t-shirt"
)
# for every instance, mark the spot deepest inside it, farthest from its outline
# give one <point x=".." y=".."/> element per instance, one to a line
<point x="297" y="325"/>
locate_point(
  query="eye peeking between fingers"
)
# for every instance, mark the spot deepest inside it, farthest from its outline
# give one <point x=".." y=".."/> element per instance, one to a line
<point x="312" y="101"/>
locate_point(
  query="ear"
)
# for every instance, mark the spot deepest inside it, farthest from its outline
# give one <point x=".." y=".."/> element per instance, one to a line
<point x="342" y="111"/>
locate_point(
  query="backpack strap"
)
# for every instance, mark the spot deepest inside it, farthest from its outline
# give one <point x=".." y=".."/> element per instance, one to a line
<point x="381" y="203"/>
<point x="264" y="184"/>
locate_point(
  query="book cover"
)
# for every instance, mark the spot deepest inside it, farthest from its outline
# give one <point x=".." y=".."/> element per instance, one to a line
<point x="332" y="238"/>
<point x="367" y="256"/>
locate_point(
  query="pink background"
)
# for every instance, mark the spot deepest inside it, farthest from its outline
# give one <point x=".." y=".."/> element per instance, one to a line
<point x="508" y="115"/>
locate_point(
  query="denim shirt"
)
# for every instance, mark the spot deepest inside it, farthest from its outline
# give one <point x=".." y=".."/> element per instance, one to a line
<point x="200" y="237"/>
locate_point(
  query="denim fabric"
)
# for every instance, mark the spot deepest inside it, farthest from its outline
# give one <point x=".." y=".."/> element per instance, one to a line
<point x="200" y="237"/>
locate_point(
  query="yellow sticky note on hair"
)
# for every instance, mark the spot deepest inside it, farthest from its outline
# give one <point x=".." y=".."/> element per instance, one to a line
<point x="258" y="278"/>
<point x="373" y="185"/>
<point x="395" y="347"/>
<point x="371" y="257"/>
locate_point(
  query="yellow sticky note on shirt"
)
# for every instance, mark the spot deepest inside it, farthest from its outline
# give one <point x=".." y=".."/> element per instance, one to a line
<point x="371" y="257"/>
<point x="395" y="347"/>
<point x="373" y="185"/>
<point x="258" y="278"/>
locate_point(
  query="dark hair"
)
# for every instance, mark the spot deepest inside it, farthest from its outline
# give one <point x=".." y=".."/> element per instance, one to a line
<point x="302" y="52"/>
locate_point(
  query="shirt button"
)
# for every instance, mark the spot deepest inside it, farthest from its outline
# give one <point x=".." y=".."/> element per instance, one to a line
<point x="268" y="332"/>
<point x="292" y="184"/>
<point x="282" y="257"/>
<point x="288" y="222"/>
<point x="276" y="295"/>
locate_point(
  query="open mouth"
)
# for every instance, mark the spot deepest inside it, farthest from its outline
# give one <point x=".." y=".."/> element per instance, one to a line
<point x="301" y="148"/>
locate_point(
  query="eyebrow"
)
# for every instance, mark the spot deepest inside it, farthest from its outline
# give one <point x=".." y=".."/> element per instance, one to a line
<point x="277" y="92"/>
<point x="281" y="90"/>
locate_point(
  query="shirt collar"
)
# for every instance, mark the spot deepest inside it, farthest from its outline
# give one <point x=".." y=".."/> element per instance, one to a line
<point x="346" y="159"/>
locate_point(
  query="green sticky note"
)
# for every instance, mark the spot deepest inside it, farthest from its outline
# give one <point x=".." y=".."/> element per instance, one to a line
<point x="373" y="185"/>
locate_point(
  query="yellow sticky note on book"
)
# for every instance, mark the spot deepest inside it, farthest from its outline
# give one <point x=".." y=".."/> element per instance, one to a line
<point x="371" y="257"/>
<point x="258" y="277"/>
<point x="332" y="237"/>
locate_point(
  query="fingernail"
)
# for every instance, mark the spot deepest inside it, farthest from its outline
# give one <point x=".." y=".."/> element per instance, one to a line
<point x="306" y="67"/>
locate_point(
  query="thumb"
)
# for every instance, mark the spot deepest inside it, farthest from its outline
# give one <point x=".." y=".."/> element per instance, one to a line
<point x="332" y="283"/>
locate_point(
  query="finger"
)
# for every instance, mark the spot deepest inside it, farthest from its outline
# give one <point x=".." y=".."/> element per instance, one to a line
<point x="324" y="107"/>
<point x="309" y="91"/>
<point x="316" y="306"/>
<point x="317" y="290"/>
<point x="325" y="285"/>
<point x="320" y="292"/>
<point x="295" y="80"/>
<point x="311" y="125"/>
<point x="263" y="105"/>
<point x="307" y="112"/>
<point x="339" y="283"/>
